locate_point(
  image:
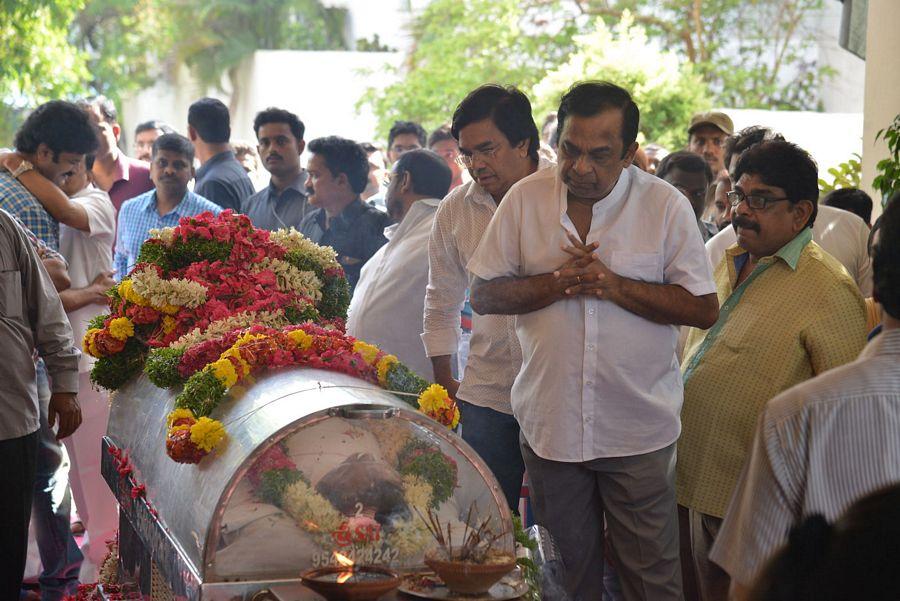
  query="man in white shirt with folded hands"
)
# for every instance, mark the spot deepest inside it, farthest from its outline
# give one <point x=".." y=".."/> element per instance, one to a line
<point x="600" y="262"/>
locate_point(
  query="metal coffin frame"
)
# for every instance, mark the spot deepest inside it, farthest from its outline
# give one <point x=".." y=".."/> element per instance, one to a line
<point x="175" y="522"/>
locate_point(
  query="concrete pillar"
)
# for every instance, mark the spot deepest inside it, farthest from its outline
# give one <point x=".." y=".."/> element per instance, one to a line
<point x="882" y="100"/>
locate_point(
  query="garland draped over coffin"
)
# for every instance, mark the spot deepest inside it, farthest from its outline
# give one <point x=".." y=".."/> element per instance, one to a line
<point x="214" y="300"/>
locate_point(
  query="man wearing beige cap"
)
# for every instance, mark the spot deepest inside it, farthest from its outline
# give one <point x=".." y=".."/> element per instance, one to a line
<point x="706" y="137"/>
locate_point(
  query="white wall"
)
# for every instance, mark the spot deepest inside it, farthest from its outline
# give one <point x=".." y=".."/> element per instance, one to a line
<point x="322" y="88"/>
<point x="882" y="84"/>
<point x="831" y="138"/>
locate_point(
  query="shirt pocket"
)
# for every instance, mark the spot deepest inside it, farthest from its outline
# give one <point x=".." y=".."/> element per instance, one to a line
<point x="11" y="294"/>
<point x="646" y="267"/>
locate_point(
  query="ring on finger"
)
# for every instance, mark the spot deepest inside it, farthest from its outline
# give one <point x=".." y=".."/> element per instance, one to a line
<point x="578" y="278"/>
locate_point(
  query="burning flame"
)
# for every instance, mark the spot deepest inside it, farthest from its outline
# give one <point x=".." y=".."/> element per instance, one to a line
<point x="347" y="563"/>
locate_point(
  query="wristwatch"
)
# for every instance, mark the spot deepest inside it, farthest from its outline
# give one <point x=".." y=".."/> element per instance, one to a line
<point x="22" y="168"/>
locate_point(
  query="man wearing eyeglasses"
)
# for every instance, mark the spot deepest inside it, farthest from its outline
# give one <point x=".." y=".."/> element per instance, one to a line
<point x="789" y="311"/>
<point x="498" y="144"/>
<point x="706" y="137"/>
<point x="691" y="176"/>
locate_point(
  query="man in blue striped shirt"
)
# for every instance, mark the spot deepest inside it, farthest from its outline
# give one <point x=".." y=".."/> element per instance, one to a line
<point x="171" y="168"/>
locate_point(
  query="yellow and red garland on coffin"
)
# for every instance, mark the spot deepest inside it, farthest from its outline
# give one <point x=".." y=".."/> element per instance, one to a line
<point x="215" y="300"/>
<point x="209" y="369"/>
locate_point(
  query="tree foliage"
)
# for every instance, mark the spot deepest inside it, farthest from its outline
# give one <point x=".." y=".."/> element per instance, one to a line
<point x="38" y="63"/>
<point x="667" y="91"/>
<point x="461" y="44"/>
<point x="751" y="53"/>
<point x="68" y="48"/>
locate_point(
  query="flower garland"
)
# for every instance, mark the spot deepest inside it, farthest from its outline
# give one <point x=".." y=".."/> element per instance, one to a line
<point x="209" y="369"/>
<point x="275" y="479"/>
<point x="211" y="271"/>
<point x="213" y="300"/>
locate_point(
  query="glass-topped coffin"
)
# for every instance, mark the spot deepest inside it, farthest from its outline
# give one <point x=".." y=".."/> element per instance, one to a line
<point x="357" y="485"/>
<point x="318" y="467"/>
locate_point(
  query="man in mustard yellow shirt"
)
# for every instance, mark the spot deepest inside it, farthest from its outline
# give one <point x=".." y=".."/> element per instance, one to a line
<point x="789" y="311"/>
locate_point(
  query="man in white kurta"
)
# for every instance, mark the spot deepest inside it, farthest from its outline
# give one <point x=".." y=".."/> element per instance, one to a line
<point x="388" y="301"/>
<point x="599" y="262"/>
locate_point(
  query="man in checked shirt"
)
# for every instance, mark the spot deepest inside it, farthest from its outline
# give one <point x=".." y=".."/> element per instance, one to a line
<point x="53" y="141"/>
<point x="498" y="144"/>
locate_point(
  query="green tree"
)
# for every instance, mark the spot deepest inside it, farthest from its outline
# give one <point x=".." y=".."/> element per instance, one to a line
<point x="121" y="40"/>
<point x="667" y="91"/>
<point x="38" y="63"/>
<point x="461" y="44"/>
<point x="751" y="53"/>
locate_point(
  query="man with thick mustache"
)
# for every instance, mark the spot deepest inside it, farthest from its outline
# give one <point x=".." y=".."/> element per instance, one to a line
<point x="171" y="168"/>
<point x="599" y="262"/>
<point x="789" y="311"/>
<point x="283" y="203"/>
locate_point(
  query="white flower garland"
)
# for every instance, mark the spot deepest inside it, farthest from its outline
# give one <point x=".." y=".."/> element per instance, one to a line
<point x="293" y="240"/>
<point x="291" y="279"/>
<point x="160" y="293"/>
<point x="245" y="319"/>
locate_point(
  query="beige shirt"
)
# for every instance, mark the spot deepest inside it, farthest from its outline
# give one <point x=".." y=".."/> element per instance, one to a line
<point x="818" y="447"/>
<point x="494" y="353"/>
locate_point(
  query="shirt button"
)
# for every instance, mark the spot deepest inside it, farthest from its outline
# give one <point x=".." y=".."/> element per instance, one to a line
<point x="588" y="383"/>
<point x="590" y="347"/>
<point x="590" y="311"/>
<point x="587" y="419"/>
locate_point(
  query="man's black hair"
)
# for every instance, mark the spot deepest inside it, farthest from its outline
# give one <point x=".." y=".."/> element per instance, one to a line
<point x="211" y="120"/>
<point x="152" y="125"/>
<point x="886" y="259"/>
<point x="276" y="115"/>
<point x="89" y="161"/>
<point x="62" y="126"/>
<point x="687" y="161"/>
<point x="369" y="147"/>
<point x="441" y="134"/>
<point x="343" y="156"/>
<point x="745" y="139"/>
<point x="508" y="108"/>
<point x="429" y="172"/>
<point x="588" y="98"/>
<point x="786" y="166"/>
<point x="406" y="127"/>
<point x="850" y="199"/>
<point x="174" y="143"/>
<point x="103" y="105"/>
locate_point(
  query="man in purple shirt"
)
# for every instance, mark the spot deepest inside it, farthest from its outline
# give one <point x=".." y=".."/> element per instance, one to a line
<point x="121" y="176"/>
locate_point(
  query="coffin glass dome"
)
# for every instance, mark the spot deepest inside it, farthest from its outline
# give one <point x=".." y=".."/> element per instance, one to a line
<point x="357" y="482"/>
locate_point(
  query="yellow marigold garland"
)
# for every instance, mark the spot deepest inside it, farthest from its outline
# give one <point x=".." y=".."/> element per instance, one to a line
<point x="89" y="344"/>
<point x="301" y="338"/>
<point x="207" y="433"/>
<point x="384" y="366"/>
<point x="121" y="328"/>
<point x="178" y="414"/>
<point x="224" y="371"/>
<point x="369" y="352"/>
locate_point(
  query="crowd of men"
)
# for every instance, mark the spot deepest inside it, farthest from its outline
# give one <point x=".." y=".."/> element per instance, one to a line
<point x="673" y="345"/>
